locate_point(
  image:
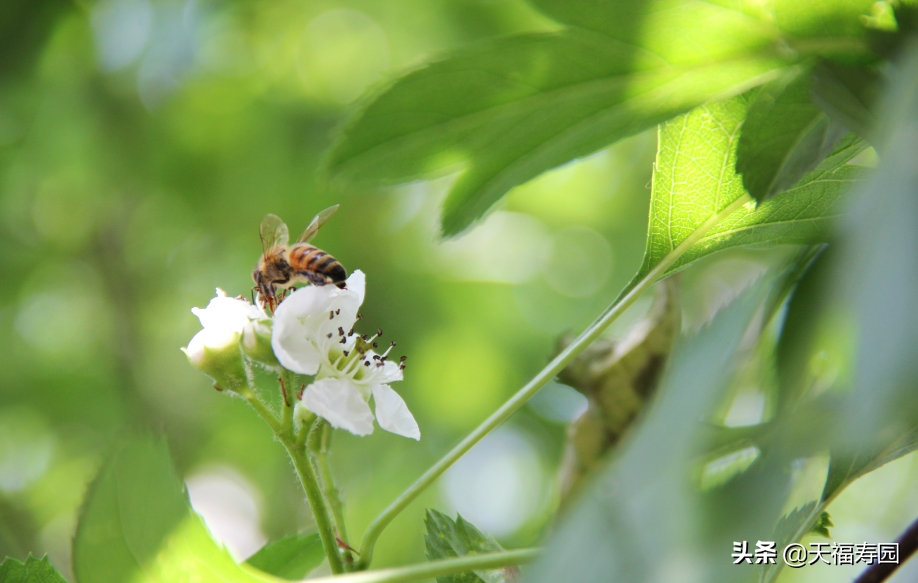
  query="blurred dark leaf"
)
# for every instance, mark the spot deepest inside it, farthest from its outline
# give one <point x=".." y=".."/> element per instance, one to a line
<point x="510" y="109"/>
<point x="136" y="523"/>
<point x="448" y="539"/>
<point x="292" y="557"/>
<point x="847" y="94"/>
<point x="785" y="136"/>
<point x="32" y="571"/>
<point x="618" y="378"/>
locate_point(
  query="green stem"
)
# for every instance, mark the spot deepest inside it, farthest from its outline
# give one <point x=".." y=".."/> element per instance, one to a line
<point x="261" y="408"/>
<point x="438" y="568"/>
<point x="307" y="476"/>
<point x="332" y="495"/>
<point x="531" y="388"/>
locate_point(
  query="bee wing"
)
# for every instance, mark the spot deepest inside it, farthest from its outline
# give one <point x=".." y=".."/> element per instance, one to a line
<point x="316" y="224"/>
<point x="273" y="232"/>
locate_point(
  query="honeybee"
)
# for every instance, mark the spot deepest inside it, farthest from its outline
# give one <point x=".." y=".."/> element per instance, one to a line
<point x="282" y="265"/>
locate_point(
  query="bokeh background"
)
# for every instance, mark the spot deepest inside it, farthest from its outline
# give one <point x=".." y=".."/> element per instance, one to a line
<point x="141" y="143"/>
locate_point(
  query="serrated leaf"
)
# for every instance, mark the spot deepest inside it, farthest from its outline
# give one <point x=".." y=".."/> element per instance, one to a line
<point x="447" y="539"/>
<point x="510" y="109"/>
<point x="694" y="179"/>
<point x="32" y="571"/>
<point x="784" y="137"/>
<point x="291" y="557"/>
<point x="137" y="525"/>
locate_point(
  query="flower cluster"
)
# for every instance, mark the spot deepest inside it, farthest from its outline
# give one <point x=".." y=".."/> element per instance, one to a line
<point x="312" y="333"/>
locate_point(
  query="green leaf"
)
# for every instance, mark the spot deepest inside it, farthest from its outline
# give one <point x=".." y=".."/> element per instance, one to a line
<point x="785" y="136"/>
<point x="695" y="181"/>
<point x="32" y="571"/>
<point x="804" y="214"/>
<point x="292" y="557"/>
<point x="447" y="539"/>
<point x="507" y="110"/>
<point x="848" y="96"/>
<point x="693" y="178"/>
<point x="137" y="525"/>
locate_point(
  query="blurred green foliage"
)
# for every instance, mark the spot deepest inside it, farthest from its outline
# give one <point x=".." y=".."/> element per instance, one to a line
<point x="141" y="143"/>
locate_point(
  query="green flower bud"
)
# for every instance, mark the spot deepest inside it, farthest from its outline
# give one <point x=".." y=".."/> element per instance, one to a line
<point x="216" y="353"/>
<point x="256" y="343"/>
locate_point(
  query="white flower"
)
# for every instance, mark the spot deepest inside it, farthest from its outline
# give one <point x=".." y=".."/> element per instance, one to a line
<point x="313" y="335"/>
<point x="215" y="349"/>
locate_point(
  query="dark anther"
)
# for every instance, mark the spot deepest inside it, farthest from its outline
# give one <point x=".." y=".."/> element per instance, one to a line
<point x="379" y="331"/>
<point x="340" y="331"/>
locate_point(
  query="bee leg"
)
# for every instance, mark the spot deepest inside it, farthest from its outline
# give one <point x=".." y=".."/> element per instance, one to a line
<point x="314" y="278"/>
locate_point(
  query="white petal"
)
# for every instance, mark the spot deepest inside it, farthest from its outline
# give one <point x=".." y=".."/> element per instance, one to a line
<point x="392" y="413"/>
<point x="226" y="314"/>
<point x="293" y="348"/>
<point x="340" y="403"/>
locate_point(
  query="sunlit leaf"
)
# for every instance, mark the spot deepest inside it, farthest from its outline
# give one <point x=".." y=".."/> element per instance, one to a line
<point x="507" y="110"/>
<point x="785" y="135"/>
<point x="136" y="525"/>
<point x="292" y="557"/>
<point x="447" y="538"/>
<point x="32" y="571"/>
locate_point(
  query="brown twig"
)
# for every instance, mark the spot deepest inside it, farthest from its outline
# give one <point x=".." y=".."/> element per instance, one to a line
<point x="908" y="544"/>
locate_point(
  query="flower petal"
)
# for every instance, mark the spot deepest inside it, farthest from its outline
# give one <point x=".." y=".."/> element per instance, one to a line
<point x="392" y="413"/>
<point x="340" y="403"/>
<point x="292" y="346"/>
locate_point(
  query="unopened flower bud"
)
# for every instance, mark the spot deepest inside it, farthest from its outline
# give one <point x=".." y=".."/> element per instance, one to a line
<point x="256" y="343"/>
<point x="216" y="353"/>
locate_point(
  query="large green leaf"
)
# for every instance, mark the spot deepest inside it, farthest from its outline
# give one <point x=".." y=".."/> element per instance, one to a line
<point x="695" y="180"/>
<point x="137" y="525"/>
<point x="510" y="109"/>
<point x="32" y="571"/>
<point x="785" y="136"/>
<point x="291" y="557"/>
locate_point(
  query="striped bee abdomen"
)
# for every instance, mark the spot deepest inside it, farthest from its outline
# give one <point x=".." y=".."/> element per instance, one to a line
<point x="311" y="261"/>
